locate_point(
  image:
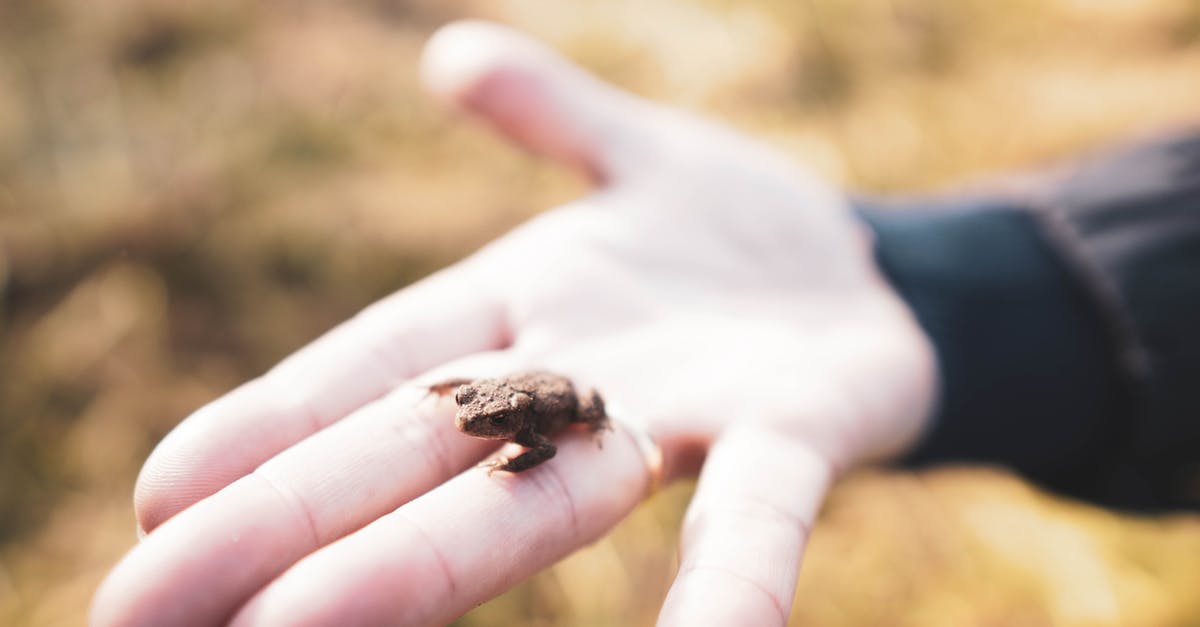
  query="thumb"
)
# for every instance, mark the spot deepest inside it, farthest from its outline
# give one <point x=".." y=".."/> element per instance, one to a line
<point x="538" y="98"/>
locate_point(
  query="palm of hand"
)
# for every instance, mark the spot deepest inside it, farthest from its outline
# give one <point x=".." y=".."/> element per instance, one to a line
<point x="750" y="297"/>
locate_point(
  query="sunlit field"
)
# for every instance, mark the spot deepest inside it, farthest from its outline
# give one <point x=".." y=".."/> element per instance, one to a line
<point x="190" y="191"/>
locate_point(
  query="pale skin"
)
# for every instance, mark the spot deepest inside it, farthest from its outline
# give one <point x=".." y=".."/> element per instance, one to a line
<point x="710" y="287"/>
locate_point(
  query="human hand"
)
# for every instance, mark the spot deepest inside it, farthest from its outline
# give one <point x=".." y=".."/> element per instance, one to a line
<point x="709" y="288"/>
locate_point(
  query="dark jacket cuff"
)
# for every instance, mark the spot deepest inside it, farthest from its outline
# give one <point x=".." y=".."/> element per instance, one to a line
<point x="1066" y="323"/>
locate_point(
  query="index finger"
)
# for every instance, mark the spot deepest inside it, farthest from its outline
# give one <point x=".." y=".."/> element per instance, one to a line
<point x="442" y="317"/>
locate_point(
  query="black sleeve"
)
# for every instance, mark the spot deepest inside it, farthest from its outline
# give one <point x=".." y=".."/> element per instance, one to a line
<point x="1066" y="321"/>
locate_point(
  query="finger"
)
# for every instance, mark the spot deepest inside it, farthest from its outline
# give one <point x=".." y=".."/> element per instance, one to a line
<point x="745" y="530"/>
<point x="538" y="98"/>
<point x="234" y="542"/>
<point x="429" y="323"/>
<point x="461" y="544"/>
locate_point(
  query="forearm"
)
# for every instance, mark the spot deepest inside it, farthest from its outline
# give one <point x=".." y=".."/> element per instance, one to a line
<point x="1065" y="323"/>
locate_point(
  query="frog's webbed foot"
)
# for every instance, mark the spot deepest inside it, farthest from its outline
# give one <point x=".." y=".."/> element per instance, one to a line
<point x="597" y="431"/>
<point x="499" y="462"/>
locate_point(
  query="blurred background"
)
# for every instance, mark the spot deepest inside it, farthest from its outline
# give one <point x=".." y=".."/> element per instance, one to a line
<point x="189" y="191"/>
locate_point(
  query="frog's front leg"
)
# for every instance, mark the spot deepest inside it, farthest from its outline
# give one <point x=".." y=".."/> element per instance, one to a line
<point x="540" y="449"/>
<point x="443" y="388"/>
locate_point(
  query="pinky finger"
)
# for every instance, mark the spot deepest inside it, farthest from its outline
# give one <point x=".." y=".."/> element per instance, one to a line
<point x="745" y="530"/>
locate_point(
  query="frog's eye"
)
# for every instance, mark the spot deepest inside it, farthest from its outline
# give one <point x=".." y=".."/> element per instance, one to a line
<point x="520" y="400"/>
<point x="497" y="420"/>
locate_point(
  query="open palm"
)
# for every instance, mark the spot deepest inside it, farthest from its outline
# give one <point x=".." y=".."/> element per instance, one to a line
<point x="710" y="289"/>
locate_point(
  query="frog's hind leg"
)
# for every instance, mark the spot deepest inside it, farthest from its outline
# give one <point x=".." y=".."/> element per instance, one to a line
<point x="592" y="413"/>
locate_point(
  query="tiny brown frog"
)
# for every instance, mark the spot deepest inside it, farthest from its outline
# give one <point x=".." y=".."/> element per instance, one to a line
<point x="526" y="408"/>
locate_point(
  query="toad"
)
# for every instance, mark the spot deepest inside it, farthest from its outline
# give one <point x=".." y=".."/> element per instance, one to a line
<point x="527" y="408"/>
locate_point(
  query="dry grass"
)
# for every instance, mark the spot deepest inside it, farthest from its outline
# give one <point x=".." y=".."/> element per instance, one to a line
<point x="188" y="191"/>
